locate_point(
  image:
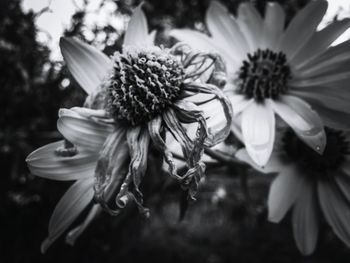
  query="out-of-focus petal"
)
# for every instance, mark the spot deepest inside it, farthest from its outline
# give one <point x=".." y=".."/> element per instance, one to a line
<point x="273" y="25"/>
<point x="251" y="24"/>
<point x="88" y="65"/>
<point x="335" y="208"/>
<point x="44" y="162"/>
<point x="284" y="190"/>
<point x="274" y="165"/>
<point x="305" y="218"/>
<point x="302" y="27"/>
<point x="319" y="42"/>
<point x="331" y="118"/>
<point x="328" y="60"/>
<point x="74" y="201"/>
<point x="225" y="30"/>
<point x="329" y="98"/>
<point x="152" y="37"/>
<point x="137" y="31"/>
<point x="85" y="132"/>
<point x="303" y="120"/>
<point x="258" y="129"/>
<point x="343" y="182"/>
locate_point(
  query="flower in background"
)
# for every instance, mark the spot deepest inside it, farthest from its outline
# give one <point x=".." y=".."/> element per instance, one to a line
<point x="136" y="98"/>
<point x="290" y="71"/>
<point x="309" y="183"/>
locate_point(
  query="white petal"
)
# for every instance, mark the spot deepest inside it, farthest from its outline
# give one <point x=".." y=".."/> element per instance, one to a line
<point x="258" y="129"/>
<point x="335" y="99"/>
<point x="303" y="120"/>
<point x="305" y="218"/>
<point x="250" y="23"/>
<point x="274" y="165"/>
<point x="331" y="118"/>
<point x="74" y="201"/>
<point x="225" y="30"/>
<point x="330" y="58"/>
<point x="77" y="231"/>
<point x="137" y="31"/>
<point x="45" y="163"/>
<point x="335" y="209"/>
<point x="88" y="65"/>
<point x="319" y="42"/>
<point x="283" y="192"/>
<point x="301" y="28"/>
<point x="84" y="132"/>
<point x="273" y="25"/>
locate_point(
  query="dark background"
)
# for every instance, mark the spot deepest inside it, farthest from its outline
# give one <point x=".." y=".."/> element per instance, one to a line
<point x="230" y="227"/>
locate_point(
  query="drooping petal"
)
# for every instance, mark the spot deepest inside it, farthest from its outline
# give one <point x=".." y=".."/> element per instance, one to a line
<point x="88" y="65"/>
<point x="154" y="128"/>
<point x="251" y="23"/>
<point x="302" y="27"/>
<point x="225" y="30"/>
<point x="138" y="143"/>
<point x="335" y="208"/>
<point x="258" y="130"/>
<point x="111" y="168"/>
<point x="283" y="192"/>
<point x="305" y="218"/>
<point x="44" y="162"/>
<point x="319" y="42"/>
<point x="74" y="201"/>
<point x="273" y="25"/>
<point x="303" y="120"/>
<point x="86" y="132"/>
<point x="178" y="131"/>
<point x="137" y="32"/>
<point x="220" y="128"/>
<point x="202" y="42"/>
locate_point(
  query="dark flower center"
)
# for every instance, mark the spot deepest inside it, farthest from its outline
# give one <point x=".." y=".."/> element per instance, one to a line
<point x="263" y="75"/>
<point x="334" y="155"/>
<point x="144" y="82"/>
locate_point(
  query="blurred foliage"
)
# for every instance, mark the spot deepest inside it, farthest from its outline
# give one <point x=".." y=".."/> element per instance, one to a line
<point x="226" y="224"/>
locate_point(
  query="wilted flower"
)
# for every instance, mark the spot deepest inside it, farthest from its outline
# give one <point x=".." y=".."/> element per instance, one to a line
<point x="309" y="183"/>
<point x="135" y="99"/>
<point x="290" y="71"/>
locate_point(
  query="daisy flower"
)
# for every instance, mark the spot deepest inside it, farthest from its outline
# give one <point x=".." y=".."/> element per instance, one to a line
<point x="135" y="99"/>
<point x="290" y="71"/>
<point x="309" y="185"/>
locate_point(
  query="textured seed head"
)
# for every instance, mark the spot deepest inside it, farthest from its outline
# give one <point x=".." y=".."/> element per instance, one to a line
<point x="143" y="83"/>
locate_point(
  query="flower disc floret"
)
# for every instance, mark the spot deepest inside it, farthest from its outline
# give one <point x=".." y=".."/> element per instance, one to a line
<point x="143" y="84"/>
<point x="263" y="75"/>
